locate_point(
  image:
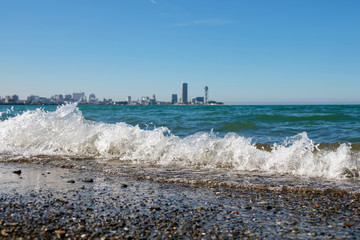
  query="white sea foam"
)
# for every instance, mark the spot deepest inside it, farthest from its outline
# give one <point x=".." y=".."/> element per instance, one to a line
<point x="65" y="132"/>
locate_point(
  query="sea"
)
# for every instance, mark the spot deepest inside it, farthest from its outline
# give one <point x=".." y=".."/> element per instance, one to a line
<point x="297" y="146"/>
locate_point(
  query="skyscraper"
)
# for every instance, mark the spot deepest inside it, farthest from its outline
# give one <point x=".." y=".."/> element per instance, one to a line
<point x="184" y="93"/>
<point x="206" y="95"/>
<point x="174" y="98"/>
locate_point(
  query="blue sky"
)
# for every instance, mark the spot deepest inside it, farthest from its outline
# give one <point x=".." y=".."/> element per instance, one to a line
<point x="244" y="50"/>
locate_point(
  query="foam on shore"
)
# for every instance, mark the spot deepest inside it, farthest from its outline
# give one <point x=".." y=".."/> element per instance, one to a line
<point x="65" y="132"/>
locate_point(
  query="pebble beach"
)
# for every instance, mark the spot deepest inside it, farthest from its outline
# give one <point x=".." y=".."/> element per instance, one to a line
<point x="49" y="202"/>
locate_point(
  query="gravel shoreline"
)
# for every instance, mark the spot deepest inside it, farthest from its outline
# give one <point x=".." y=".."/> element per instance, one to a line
<point x="47" y="202"/>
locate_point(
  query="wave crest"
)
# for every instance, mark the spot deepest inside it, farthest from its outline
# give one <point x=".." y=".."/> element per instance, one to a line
<point x="65" y="132"/>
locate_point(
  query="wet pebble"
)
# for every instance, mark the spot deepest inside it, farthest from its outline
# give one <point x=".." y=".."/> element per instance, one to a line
<point x="88" y="180"/>
<point x="154" y="208"/>
<point x="18" y="172"/>
<point x="150" y="210"/>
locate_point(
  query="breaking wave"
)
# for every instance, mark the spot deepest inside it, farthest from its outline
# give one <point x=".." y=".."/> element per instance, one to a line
<point x="65" y="132"/>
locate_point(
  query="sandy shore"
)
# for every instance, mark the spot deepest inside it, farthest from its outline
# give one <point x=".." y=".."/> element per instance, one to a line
<point x="47" y="202"/>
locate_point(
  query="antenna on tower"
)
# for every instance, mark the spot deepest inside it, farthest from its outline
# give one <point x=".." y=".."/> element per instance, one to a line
<point x="206" y="95"/>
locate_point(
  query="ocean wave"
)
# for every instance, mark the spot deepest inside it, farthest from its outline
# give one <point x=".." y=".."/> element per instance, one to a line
<point x="65" y="132"/>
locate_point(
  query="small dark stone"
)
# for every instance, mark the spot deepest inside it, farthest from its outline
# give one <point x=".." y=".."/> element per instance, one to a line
<point x="18" y="172"/>
<point x="124" y="186"/>
<point x="71" y="181"/>
<point x="88" y="180"/>
<point x="248" y="207"/>
<point x="268" y="207"/>
<point x="49" y="230"/>
<point x="155" y="208"/>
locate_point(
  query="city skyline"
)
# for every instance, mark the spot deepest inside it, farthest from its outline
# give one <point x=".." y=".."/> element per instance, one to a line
<point x="81" y="98"/>
<point x="249" y="51"/>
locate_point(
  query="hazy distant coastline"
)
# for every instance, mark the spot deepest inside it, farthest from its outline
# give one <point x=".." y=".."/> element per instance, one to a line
<point x="81" y="99"/>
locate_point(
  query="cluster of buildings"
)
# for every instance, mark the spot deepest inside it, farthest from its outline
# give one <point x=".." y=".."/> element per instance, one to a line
<point x="81" y="99"/>
<point x="175" y="100"/>
<point x="57" y="99"/>
<point x="184" y="97"/>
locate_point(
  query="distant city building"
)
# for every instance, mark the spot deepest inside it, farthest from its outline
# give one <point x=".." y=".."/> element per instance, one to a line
<point x="59" y="97"/>
<point x="32" y="99"/>
<point x="43" y="100"/>
<point x="206" y="95"/>
<point x="145" y="101"/>
<point x="15" y="98"/>
<point x="92" y="99"/>
<point x="81" y="99"/>
<point x="174" y="98"/>
<point x="7" y="99"/>
<point x="77" y="97"/>
<point x="68" y="98"/>
<point x="153" y="100"/>
<point x="108" y="101"/>
<point x="198" y="100"/>
<point x="184" y="93"/>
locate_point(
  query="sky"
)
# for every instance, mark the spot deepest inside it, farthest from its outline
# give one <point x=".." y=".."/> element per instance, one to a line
<point x="245" y="51"/>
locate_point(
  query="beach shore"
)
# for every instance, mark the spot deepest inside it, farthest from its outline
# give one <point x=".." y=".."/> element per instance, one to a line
<point x="47" y="202"/>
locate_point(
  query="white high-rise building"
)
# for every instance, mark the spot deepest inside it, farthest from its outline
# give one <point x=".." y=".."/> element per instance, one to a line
<point x="206" y="95"/>
<point x="78" y="96"/>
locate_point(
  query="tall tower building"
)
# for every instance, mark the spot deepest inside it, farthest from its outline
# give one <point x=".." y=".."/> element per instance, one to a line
<point x="206" y="95"/>
<point x="184" y="93"/>
<point x="174" y="98"/>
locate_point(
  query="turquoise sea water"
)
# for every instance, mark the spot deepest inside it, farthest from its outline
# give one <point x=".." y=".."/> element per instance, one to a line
<point x="210" y="142"/>
<point x="264" y="124"/>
